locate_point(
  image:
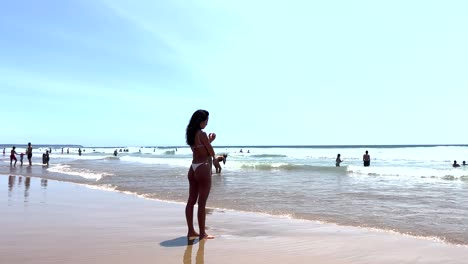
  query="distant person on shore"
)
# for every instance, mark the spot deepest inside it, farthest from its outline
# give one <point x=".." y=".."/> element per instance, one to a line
<point x="21" y="158"/>
<point x="3" y="151"/>
<point x="68" y="150"/>
<point x="366" y="159"/>
<point x="338" y="160"/>
<point x="199" y="174"/>
<point x="455" y="164"/>
<point x="464" y="163"/>
<point x="62" y="150"/>
<point x="115" y="152"/>
<point x="29" y="153"/>
<point x="216" y="163"/>
<point x="45" y="158"/>
<point x="13" y="156"/>
<point x="79" y="151"/>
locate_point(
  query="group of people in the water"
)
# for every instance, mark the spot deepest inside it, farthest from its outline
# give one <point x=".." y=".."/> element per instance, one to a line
<point x="365" y="159"/>
<point x="456" y="165"/>
<point x="13" y="153"/>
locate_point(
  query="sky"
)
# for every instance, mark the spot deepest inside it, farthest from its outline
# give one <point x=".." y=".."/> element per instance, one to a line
<point x="295" y="72"/>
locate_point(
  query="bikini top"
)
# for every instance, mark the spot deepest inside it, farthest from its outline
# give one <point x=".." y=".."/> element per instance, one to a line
<point x="199" y="145"/>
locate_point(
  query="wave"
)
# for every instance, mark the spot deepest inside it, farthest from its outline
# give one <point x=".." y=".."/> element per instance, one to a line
<point x="440" y="173"/>
<point x="269" y="156"/>
<point x="291" y="167"/>
<point x="83" y="173"/>
<point x="111" y="158"/>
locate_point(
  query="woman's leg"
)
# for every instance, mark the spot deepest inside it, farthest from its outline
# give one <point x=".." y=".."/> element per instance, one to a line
<point x="192" y="199"/>
<point x="216" y="165"/>
<point x="203" y="175"/>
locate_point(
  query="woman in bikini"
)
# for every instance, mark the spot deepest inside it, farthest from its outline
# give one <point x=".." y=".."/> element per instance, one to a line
<point x="199" y="174"/>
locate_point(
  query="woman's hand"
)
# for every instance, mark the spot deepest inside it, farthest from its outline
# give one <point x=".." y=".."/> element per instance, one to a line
<point x="211" y="137"/>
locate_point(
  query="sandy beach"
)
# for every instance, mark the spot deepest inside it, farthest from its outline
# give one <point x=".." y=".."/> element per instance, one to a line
<point x="46" y="221"/>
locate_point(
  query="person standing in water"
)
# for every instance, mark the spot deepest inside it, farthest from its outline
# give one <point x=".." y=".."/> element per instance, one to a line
<point x="29" y="153"/>
<point x="199" y="174"/>
<point x="21" y="158"/>
<point x="366" y="159"/>
<point x="217" y="160"/>
<point x="338" y="160"/>
<point x="13" y="156"/>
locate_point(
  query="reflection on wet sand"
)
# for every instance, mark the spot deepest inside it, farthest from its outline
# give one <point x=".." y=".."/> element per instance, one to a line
<point x="27" y="185"/>
<point x="200" y="258"/>
<point x="44" y="183"/>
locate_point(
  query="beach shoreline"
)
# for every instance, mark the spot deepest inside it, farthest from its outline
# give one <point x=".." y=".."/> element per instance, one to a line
<point x="58" y="222"/>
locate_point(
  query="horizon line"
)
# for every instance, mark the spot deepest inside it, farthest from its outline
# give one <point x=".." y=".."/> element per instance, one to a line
<point x="249" y="146"/>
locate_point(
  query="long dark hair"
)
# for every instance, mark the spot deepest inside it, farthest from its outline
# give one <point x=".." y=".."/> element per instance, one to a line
<point x="194" y="125"/>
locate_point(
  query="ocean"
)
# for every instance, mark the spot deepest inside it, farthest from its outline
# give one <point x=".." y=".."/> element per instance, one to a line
<point x="412" y="190"/>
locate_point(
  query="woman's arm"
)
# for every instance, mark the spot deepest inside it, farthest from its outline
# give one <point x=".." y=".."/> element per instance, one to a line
<point x="205" y="141"/>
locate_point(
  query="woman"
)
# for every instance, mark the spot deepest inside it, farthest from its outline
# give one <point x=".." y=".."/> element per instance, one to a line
<point x="199" y="174"/>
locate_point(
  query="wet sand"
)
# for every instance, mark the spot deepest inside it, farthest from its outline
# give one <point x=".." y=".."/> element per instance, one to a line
<point x="46" y="221"/>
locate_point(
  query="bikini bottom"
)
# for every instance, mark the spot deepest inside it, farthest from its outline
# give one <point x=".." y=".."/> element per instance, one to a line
<point x="195" y="165"/>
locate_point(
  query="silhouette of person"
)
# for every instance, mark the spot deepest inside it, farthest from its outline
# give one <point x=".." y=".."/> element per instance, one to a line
<point x="115" y="152"/>
<point x="29" y="153"/>
<point x="45" y="158"/>
<point x="464" y="163"/>
<point x="455" y="164"/>
<point x="21" y="158"/>
<point x="13" y="156"/>
<point x="199" y="174"/>
<point x="366" y="159"/>
<point x="338" y="160"/>
<point x="79" y="152"/>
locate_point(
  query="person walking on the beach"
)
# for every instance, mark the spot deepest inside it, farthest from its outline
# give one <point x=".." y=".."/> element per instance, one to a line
<point x="13" y="156"/>
<point x="29" y="153"/>
<point x="199" y="174"/>
<point x="216" y="163"/>
<point x="366" y="159"/>
<point x="338" y="160"/>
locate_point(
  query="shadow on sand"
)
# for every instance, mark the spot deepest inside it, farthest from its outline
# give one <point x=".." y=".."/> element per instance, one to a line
<point x="179" y="242"/>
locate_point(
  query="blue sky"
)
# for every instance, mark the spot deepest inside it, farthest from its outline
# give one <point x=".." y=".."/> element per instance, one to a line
<point x="115" y="72"/>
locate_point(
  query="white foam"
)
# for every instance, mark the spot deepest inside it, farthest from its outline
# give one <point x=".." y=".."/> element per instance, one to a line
<point x="84" y="173"/>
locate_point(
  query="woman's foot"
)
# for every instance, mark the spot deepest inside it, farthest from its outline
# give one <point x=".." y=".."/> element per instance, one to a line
<point x="192" y="235"/>
<point x="206" y="236"/>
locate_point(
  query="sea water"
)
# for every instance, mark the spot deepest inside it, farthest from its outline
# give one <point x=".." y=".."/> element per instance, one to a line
<point x="412" y="190"/>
